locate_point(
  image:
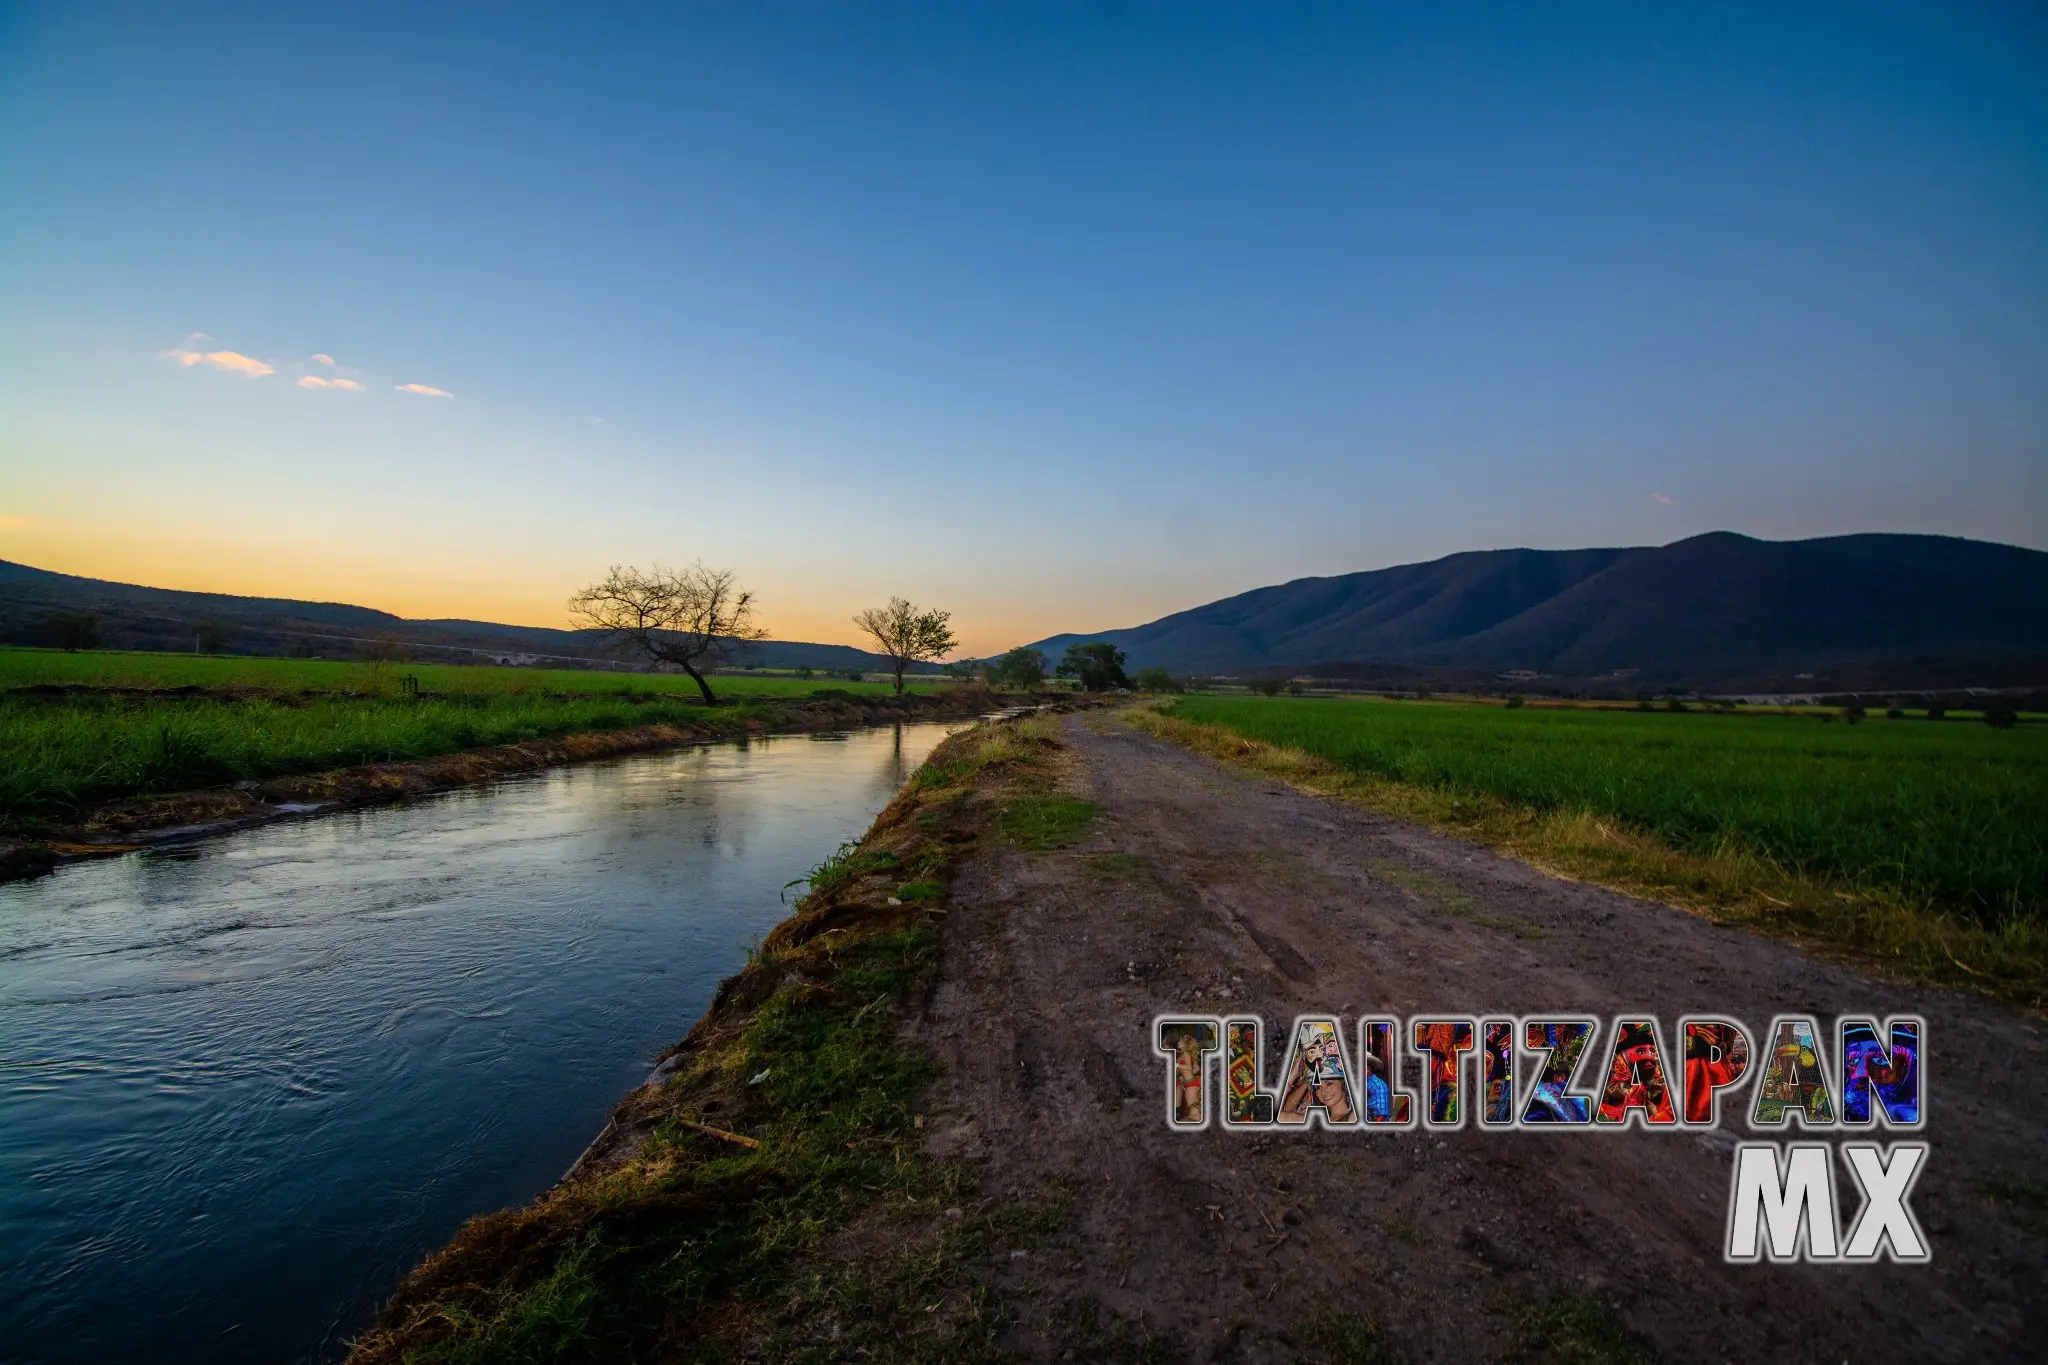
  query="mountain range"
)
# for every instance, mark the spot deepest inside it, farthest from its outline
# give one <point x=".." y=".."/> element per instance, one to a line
<point x="1715" y="610"/>
<point x="130" y="616"/>
<point x="1718" y="611"/>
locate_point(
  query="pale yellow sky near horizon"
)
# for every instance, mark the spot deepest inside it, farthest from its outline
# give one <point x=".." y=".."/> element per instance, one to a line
<point x="438" y="586"/>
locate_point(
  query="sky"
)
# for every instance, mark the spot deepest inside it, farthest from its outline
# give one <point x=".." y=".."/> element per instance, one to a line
<point x="1060" y="317"/>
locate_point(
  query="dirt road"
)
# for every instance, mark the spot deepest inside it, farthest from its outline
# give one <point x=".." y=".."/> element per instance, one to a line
<point x="1200" y="890"/>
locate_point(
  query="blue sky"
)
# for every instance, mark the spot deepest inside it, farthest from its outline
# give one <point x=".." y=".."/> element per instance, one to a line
<point x="1062" y="317"/>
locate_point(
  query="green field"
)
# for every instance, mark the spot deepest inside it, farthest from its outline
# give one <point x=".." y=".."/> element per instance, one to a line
<point x="61" y="753"/>
<point x="160" y="672"/>
<point x="1949" y="816"/>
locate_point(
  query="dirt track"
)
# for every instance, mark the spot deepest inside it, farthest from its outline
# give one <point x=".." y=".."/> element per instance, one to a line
<point x="1244" y="897"/>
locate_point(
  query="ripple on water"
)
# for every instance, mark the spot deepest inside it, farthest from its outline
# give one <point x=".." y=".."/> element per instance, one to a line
<point x="247" y="1082"/>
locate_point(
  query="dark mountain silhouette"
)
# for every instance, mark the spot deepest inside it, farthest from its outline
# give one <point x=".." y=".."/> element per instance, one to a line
<point x="1714" y="609"/>
<point x="135" y="617"/>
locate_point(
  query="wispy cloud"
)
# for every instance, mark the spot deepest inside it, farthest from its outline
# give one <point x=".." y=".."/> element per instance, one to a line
<point x="314" y="381"/>
<point x="427" y="390"/>
<point x="234" y="362"/>
<point x="196" y="338"/>
<point x="1665" y="498"/>
<point x="321" y="358"/>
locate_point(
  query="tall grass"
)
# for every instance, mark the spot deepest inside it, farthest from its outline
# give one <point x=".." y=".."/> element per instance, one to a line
<point x="153" y="672"/>
<point x="1945" y="815"/>
<point x="59" y="758"/>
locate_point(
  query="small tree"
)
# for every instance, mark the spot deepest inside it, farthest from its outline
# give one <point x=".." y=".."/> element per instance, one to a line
<point x="1023" y="668"/>
<point x="209" y="637"/>
<point x="1157" y="680"/>
<point x="75" y="630"/>
<point x="1266" y="687"/>
<point x="1098" y="665"/>
<point x="694" y="618"/>
<point x="908" y="634"/>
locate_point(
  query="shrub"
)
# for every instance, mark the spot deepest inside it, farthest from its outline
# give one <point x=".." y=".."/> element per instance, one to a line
<point x="1998" y="718"/>
<point x="1157" y="680"/>
<point x="1266" y="687"/>
<point x="1515" y="700"/>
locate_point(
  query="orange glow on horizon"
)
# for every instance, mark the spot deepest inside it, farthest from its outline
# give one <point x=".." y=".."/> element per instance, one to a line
<point x="445" y="588"/>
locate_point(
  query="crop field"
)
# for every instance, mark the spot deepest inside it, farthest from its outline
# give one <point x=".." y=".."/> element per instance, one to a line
<point x="141" y="731"/>
<point x="1947" y="816"/>
<point x="162" y="672"/>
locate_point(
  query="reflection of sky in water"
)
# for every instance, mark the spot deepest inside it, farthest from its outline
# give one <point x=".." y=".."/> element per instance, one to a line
<point x="245" y="1083"/>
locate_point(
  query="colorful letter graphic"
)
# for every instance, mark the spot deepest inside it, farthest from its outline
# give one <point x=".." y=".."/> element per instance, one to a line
<point x="1635" y="1076"/>
<point x="1243" y="1058"/>
<point x="1187" y="1043"/>
<point x="1895" y="1074"/>
<point x="1497" y="1079"/>
<point x="1318" y="1077"/>
<point x="1716" y="1057"/>
<point x="1385" y="1099"/>
<point x="1563" y="1045"/>
<point x="1444" y="1042"/>
<point x="1795" y="1079"/>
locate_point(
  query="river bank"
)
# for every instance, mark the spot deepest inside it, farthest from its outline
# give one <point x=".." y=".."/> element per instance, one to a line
<point x="925" y="1124"/>
<point x="123" y="826"/>
<point x="789" y="1115"/>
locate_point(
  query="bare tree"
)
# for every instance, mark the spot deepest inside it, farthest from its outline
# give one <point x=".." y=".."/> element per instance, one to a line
<point x="694" y="618"/>
<point x="907" y="634"/>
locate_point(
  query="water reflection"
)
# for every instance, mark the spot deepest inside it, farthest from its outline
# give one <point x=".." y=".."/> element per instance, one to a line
<point x="245" y="1083"/>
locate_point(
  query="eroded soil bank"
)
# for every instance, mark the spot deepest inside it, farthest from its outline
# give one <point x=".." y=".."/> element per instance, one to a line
<point x="124" y="826"/>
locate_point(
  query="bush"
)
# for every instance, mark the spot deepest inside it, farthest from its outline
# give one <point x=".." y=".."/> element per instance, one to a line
<point x="1265" y="687"/>
<point x="1853" y="714"/>
<point x="1999" y="718"/>
<point x="1937" y="713"/>
<point x="1515" y="699"/>
<point x="1098" y="666"/>
<point x="1023" y="668"/>
<point x="1157" y="680"/>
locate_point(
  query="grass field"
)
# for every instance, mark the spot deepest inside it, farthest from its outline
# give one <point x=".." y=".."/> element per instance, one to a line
<point x="1945" y="816"/>
<point x="61" y="754"/>
<point x="161" y="672"/>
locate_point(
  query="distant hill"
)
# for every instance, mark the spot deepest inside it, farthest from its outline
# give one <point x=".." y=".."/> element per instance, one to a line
<point x="1716" y="610"/>
<point x="135" y="617"/>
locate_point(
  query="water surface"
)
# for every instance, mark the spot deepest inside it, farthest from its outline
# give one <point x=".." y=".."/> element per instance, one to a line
<point x="246" y="1083"/>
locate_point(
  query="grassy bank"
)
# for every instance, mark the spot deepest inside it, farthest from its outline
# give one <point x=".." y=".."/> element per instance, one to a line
<point x="128" y="725"/>
<point x="1917" y="844"/>
<point x="702" y="1226"/>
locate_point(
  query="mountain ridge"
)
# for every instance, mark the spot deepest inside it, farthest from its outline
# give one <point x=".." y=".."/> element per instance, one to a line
<point x="1709" y="609"/>
<point x="135" y="616"/>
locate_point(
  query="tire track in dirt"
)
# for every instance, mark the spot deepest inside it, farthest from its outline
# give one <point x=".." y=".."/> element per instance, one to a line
<point x="1201" y="890"/>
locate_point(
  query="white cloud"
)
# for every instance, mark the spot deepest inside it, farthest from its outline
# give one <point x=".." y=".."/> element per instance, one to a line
<point x="1666" y="499"/>
<point x="196" y="338"/>
<point x="427" y="390"/>
<point x="314" y="381"/>
<point x="319" y="358"/>
<point x="234" y="362"/>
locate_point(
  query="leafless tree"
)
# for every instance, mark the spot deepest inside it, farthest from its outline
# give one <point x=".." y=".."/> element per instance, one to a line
<point x="907" y="634"/>
<point x="695" y="618"/>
